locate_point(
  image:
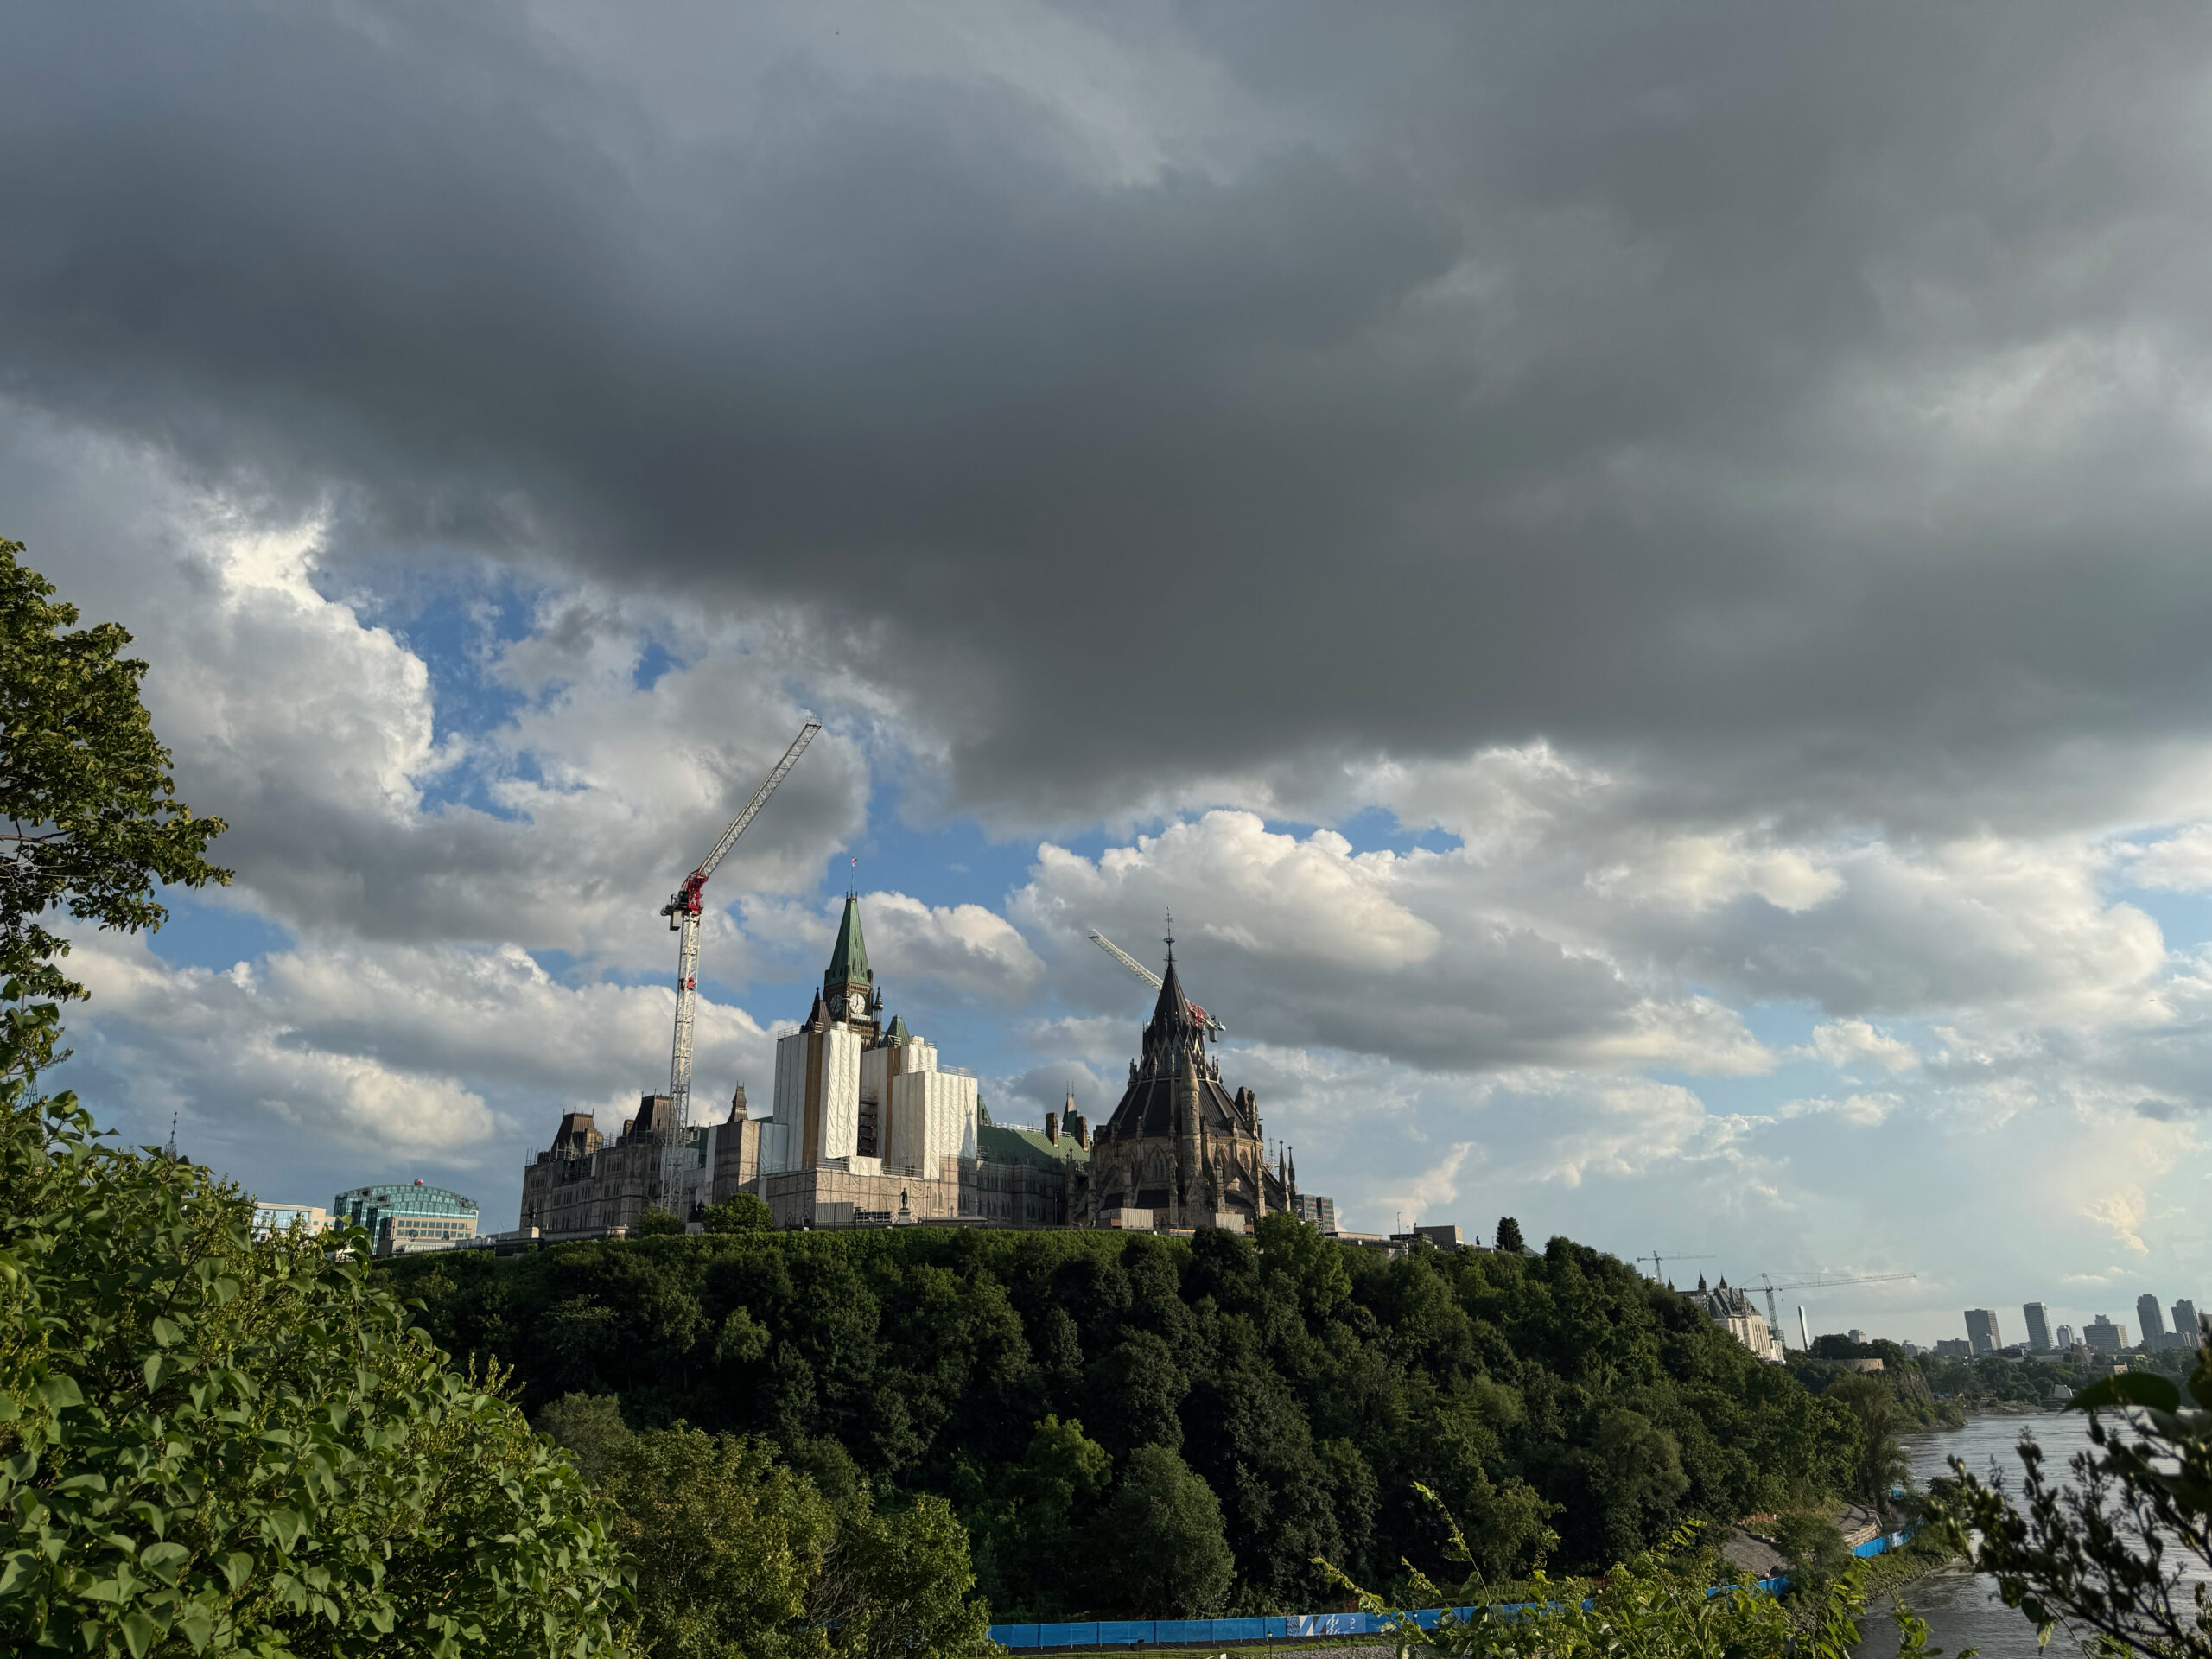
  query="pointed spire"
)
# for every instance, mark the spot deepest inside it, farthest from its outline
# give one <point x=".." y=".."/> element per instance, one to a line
<point x="898" y="1033"/>
<point x="849" y="962"/>
<point x="1172" y="1005"/>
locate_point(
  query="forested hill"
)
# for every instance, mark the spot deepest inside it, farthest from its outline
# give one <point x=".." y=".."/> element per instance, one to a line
<point x="1566" y="1409"/>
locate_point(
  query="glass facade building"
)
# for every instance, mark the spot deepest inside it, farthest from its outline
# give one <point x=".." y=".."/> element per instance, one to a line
<point x="405" y="1217"/>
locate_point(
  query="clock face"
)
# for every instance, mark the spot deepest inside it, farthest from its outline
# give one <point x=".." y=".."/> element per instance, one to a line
<point x="856" y="1004"/>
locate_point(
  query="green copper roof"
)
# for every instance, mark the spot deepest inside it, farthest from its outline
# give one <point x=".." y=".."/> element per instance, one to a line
<point x="997" y="1144"/>
<point x="849" y="962"/>
<point x="898" y="1033"/>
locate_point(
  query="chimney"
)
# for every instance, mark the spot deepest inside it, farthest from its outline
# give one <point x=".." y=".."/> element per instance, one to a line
<point x="1053" y="1127"/>
<point x="1083" y="1131"/>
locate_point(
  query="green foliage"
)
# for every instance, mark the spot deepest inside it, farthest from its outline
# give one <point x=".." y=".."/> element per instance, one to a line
<point x="740" y="1212"/>
<point x="1309" y="1385"/>
<point x="1881" y="1464"/>
<point x="208" y="1443"/>
<point x="741" y="1557"/>
<point x="1657" y="1606"/>
<point x="590" y="1428"/>
<point x="1029" y="1523"/>
<point x="1634" y="1471"/>
<point x="93" y="824"/>
<point x="1161" y="1548"/>
<point x="2117" y="1548"/>
<point x="1509" y="1234"/>
<point x="659" y="1223"/>
<point x="1815" y="1550"/>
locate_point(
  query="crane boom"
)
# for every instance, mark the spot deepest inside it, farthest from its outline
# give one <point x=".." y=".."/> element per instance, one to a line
<point x="682" y="912"/>
<point x="1149" y="977"/>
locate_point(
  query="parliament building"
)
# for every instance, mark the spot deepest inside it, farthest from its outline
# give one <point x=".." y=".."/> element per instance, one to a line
<point x="866" y="1128"/>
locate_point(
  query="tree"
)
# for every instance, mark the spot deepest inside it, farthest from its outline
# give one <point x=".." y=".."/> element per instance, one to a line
<point x="212" y="1444"/>
<point x="93" y="825"/>
<point x="898" y="1584"/>
<point x="740" y="1212"/>
<point x="590" y="1428"/>
<point x="1159" y="1546"/>
<point x="1881" y="1464"/>
<point x="1314" y="1266"/>
<point x="1815" y="1550"/>
<point x="728" y="1546"/>
<point x="2111" y="1549"/>
<point x="1634" y="1469"/>
<point x="740" y="1556"/>
<point x="1509" y="1234"/>
<point x="658" y="1223"/>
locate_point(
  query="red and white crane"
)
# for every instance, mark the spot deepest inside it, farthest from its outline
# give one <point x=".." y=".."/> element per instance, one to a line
<point x="682" y="911"/>
<point x="1212" y="1024"/>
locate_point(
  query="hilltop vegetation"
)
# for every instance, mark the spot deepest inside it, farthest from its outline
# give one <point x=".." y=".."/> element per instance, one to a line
<point x="1260" y="1402"/>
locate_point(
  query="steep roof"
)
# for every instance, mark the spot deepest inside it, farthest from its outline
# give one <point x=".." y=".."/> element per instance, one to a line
<point x="996" y="1143"/>
<point x="849" y="962"/>
<point x="1173" y="1004"/>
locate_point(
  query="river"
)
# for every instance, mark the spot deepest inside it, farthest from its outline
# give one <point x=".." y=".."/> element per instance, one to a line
<point x="1961" y="1609"/>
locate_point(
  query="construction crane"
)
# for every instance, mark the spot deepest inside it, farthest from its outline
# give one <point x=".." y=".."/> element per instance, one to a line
<point x="1767" y="1284"/>
<point x="1658" y="1277"/>
<point x="1150" y="978"/>
<point x="682" y="912"/>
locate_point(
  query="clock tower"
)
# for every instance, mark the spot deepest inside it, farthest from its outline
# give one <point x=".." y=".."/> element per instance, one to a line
<point x="849" y="992"/>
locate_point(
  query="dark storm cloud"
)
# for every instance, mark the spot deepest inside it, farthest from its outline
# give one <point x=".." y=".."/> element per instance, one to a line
<point x="1796" y="402"/>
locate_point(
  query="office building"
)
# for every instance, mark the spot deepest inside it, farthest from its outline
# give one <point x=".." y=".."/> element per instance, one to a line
<point x="2104" y="1337"/>
<point x="2038" y="1326"/>
<point x="2188" y="1329"/>
<point x="1313" y="1207"/>
<point x="407" y="1217"/>
<point x="2066" y="1338"/>
<point x="271" y="1217"/>
<point x="1981" y="1329"/>
<point x="1953" y="1348"/>
<point x="1857" y="1335"/>
<point x="2152" y="1320"/>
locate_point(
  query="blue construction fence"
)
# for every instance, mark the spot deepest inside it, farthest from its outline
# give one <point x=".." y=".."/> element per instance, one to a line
<point x="1278" y="1627"/>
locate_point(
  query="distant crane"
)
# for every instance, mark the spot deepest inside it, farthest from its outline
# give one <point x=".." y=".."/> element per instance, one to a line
<point x="1653" y="1259"/>
<point x="682" y="912"/>
<point x="1150" y="978"/>
<point x="1767" y="1284"/>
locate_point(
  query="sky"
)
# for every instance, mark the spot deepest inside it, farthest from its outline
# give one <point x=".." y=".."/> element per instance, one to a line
<point x="1636" y="580"/>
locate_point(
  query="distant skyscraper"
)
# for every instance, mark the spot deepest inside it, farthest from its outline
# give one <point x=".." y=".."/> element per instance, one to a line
<point x="2065" y="1336"/>
<point x="2038" y="1325"/>
<point x="2152" y="1318"/>
<point x="2104" y="1337"/>
<point x="1981" y="1329"/>
<point x="2186" y="1328"/>
<point x="1857" y="1335"/>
